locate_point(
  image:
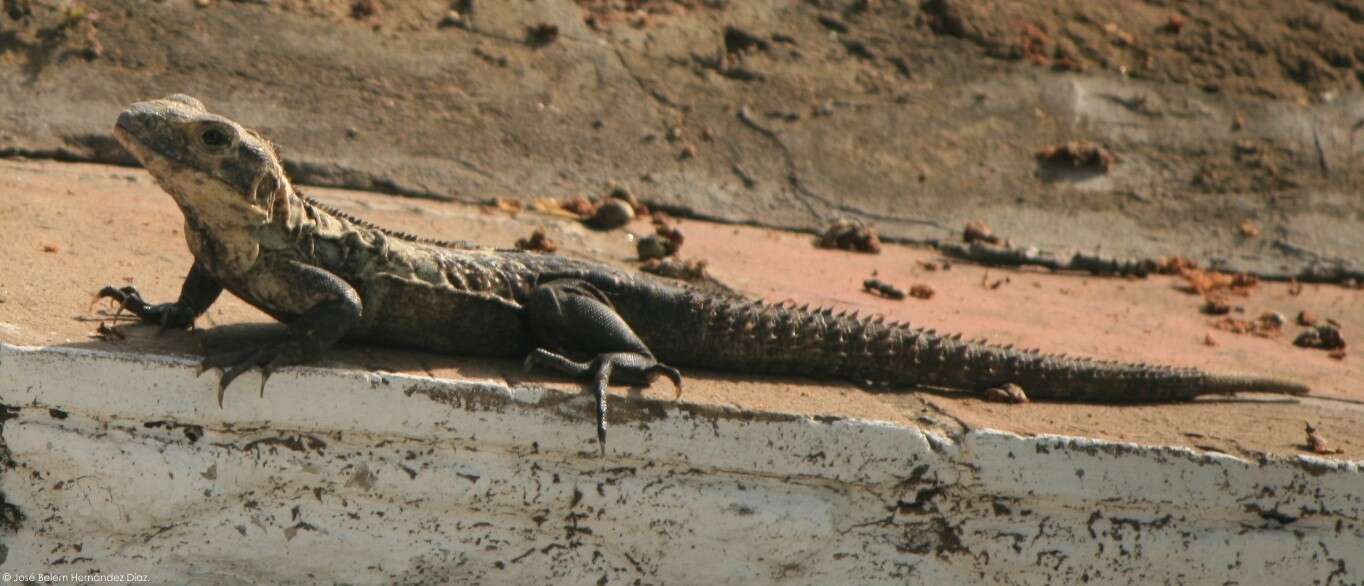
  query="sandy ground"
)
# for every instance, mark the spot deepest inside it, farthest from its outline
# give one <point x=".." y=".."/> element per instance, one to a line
<point x="72" y="228"/>
<point x="915" y="116"/>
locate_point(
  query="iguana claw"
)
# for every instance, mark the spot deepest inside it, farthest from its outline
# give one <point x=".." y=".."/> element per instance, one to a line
<point x="671" y="373"/>
<point x="167" y="315"/>
<point x="234" y="364"/>
<point x="630" y="367"/>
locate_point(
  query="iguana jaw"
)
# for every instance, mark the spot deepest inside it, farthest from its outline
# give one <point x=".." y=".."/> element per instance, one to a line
<point x="217" y="186"/>
<point x="231" y="189"/>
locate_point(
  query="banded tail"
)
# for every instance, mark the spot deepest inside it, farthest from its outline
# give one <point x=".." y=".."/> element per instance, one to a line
<point x="749" y="336"/>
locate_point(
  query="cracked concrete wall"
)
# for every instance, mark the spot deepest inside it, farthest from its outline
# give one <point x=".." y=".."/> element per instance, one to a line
<point x="124" y="463"/>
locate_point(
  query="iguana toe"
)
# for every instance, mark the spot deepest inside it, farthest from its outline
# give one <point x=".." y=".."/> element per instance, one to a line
<point x="167" y="315"/>
<point x="233" y="364"/>
<point x="670" y="372"/>
<point x="126" y="297"/>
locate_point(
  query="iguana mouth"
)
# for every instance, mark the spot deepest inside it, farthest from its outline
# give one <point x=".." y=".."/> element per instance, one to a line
<point x="125" y="132"/>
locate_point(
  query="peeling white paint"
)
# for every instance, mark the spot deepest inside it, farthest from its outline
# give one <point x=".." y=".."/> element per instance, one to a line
<point x="125" y="463"/>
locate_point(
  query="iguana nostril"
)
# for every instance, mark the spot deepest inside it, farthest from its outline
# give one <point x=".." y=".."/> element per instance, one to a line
<point x="127" y="121"/>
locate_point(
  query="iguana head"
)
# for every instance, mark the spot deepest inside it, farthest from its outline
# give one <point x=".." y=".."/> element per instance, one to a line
<point x="224" y="176"/>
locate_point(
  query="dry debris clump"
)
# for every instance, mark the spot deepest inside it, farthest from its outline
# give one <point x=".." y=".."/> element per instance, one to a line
<point x="1268" y="325"/>
<point x="510" y="207"/>
<point x="617" y="209"/>
<point x="538" y="241"/>
<point x="107" y="334"/>
<point x="849" y="234"/>
<point x="542" y="34"/>
<point x="578" y="206"/>
<point x="666" y="240"/>
<point x="878" y="287"/>
<point x="1010" y="393"/>
<point x="1213" y="283"/>
<point x="672" y="267"/>
<point x="1216" y="306"/>
<point x="921" y="292"/>
<point x="1325" y="336"/>
<point x="1317" y="444"/>
<point x="978" y="231"/>
<point x="1079" y="154"/>
<point x="611" y="214"/>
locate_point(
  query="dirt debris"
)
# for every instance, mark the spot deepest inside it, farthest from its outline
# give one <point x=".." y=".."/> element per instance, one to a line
<point x="881" y="288"/>
<point x="1325" y="336"/>
<point x="651" y="246"/>
<point x="108" y="334"/>
<point x="1316" y="443"/>
<point x="611" y="214"/>
<point x="1079" y="154"/>
<point x="510" y="207"/>
<point x="1120" y="37"/>
<point x="1249" y="229"/>
<point x="362" y="9"/>
<point x="924" y="292"/>
<point x="642" y="14"/>
<point x="739" y="41"/>
<point x="850" y="234"/>
<point x="1173" y="265"/>
<point x="995" y="284"/>
<point x="1174" y="24"/>
<point x="578" y="206"/>
<point x="1206" y="283"/>
<point x="452" y="18"/>
<point x="1010" y="393"/>
<point x="1286" y="51"/>
<point x="1268" y="325"/>
<point x="978" y="231"/>
<point x="672" y="267"/>
<point x="1216" y="306"/>
<point x="629" y="197"/>
<point x="671" y="233"/>
<point x="538" y="241"/>
<point x="542" y="34"/>
<point x="666" y="240"/>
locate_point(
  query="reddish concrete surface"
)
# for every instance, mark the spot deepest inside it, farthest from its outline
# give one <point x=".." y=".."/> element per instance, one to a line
<point x="72" y="228"/>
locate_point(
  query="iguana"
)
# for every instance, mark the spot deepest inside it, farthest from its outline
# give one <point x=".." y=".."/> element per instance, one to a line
<point x="331" y="276"/>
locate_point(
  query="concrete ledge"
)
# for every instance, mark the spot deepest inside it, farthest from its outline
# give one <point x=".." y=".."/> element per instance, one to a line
<point x="124" y="463"/>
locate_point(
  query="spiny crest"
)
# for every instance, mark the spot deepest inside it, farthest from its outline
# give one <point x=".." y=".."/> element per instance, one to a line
<point x="385" y="231"/>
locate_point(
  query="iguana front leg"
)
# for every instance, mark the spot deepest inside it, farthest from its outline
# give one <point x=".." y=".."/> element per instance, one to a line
<point x="329" y="309"/>
<point x="575" y="317"/>
<point x="198" y="292"/>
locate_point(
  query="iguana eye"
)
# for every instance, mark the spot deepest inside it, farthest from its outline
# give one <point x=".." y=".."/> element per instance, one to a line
<point x="213" y="138"/>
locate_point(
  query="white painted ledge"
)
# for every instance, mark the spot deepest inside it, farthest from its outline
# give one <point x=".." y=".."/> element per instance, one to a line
<point x="123" y="463"/>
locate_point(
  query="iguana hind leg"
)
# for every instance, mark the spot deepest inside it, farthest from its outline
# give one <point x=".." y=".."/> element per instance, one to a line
<point x="573" y="317"/>
<point x="329" y="309"/>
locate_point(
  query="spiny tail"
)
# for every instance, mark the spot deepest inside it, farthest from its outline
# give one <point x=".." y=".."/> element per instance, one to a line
<point x="783" y="339"/>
